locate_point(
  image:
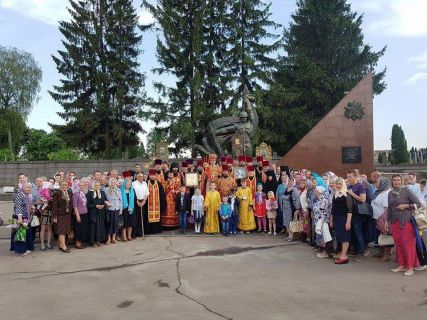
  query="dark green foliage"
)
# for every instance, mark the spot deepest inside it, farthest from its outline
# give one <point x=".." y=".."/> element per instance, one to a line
<point x="153" y="138"/>
<point x="213" y="48"/>
<point x="399" y="146"/>
<point x="326" y="57"/>
<point x="17" y="130"/>
<point x="100" y="91"/>
<point x="39" y="144"/>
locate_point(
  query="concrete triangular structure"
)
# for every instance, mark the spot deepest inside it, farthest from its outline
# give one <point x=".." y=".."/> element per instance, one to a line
<point x="321" y="149"/>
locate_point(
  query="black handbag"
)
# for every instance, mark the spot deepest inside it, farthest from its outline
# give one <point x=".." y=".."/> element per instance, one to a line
<point x="107" y="216"/>
<point x="365" y="209"/>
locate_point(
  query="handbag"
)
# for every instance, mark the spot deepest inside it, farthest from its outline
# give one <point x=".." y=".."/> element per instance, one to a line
<point x="365" y="209"/>
<point x="296" y="225"/>
<point x="35" y="222"/>
<point x="106" y="216"/>
<point x="420" y="216"/>
<point x="385" y="240"/>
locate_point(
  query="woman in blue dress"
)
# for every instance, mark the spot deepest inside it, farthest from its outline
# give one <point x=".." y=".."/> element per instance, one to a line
<point x="290" y="205"/>
<point x="279" y="192"/>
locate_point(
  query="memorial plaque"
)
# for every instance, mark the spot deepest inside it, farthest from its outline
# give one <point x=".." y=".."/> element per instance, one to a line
<point x="351" y="155"/>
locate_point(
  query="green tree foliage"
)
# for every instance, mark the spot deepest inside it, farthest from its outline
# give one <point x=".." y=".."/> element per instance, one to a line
<point x="154" y="137"/>
<point x="326" y="57"/>
<point x="40" y="144"/>
<point x="20" y="77"/>
<point x="101" y="89"/>
<point x="17" y="130"/>
<point x="6" y="155"/>
<point x="399" y="146"/>
<point x="63" y="154"/>
<point x="213" y="48"/>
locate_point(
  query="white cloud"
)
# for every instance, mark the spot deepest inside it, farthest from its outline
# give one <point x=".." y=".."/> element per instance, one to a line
<point x="419" y="76"/>
<point x="49" y="11"/>
<point x="396" y="17"/>
<point x="52" y="11"/>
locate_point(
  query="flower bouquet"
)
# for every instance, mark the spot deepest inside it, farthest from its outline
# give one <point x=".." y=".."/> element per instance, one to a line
<point x="20" y="229"/>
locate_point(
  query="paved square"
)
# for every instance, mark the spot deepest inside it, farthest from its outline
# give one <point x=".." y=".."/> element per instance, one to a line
<point x="203" y="277"/>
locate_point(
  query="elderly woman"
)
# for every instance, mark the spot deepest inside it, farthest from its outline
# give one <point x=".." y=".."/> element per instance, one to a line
<point x="62" y="209"/>
<point x="279" y="193"/>
<point x="321" y="216"/>
<point x="290" y="205"/>
<point x="114" y="204"/>
<point x="341" y="212"/>
<point x="379" y="204"/>
<point x="400" y="202"/>
<point x="96" y="203"/>
<point x="80" y="217"/>
<point x="129" y="212"/>
<point x="22" y="202"/>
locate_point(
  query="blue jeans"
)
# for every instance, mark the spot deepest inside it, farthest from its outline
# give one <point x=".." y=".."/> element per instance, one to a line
<point x="225" y="227"/>
<point x="357" y="223"/>
<point x="183" y="220"/>
<point x="233" y="223"/>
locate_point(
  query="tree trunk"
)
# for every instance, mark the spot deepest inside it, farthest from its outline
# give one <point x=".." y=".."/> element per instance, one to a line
<point x="9" y="139"/>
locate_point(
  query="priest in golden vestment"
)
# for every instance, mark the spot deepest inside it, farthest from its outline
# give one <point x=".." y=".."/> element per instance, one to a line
<point x="227" y="182"/>
<point x="246" y="214"/>
<point x="251" y="181"/>
<point x="211" y="205"/>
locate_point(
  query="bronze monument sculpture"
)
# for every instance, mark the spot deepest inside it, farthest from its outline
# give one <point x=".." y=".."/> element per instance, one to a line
<point x="221" y="134"/>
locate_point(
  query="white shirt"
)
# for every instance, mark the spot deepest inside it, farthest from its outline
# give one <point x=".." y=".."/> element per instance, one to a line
<point x="380" y="204"/>
<point x="141" y="189"/>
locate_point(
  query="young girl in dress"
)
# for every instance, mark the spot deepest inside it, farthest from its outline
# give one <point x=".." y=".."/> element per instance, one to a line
<point x="260" y="212"/>
<point x="271" y="206"/>
<point x="197" y="209"/>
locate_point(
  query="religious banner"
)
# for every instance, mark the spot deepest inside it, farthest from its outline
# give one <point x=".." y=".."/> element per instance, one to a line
<point x="265" y="151"/>
<point x="191" y="179"/>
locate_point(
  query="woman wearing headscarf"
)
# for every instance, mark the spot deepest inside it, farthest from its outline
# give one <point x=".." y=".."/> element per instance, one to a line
<point x="129" y="214"/>
<point x="271" y="184"/>
<point x="96" y="205"/>
<point x="379" y="204"/>
<point x="283" y="184"/>
<point x="342" y="208"/>
<point x="62" y="209"/>
<point x="114" y="205"/>
<point x="400" y="203"/>
<point x="22" y="202"/>
<point x="320" y="217"/>
<point x="80" y="217"/>
<point x="290" y="205"/>
<point x="304" y="206"/>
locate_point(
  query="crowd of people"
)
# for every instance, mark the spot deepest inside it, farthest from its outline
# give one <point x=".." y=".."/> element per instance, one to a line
<point x="340" y="217"/>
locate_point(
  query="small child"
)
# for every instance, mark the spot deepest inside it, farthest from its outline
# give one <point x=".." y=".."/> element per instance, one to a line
<point x="234" y="204"/>
<point x="271" y="207"/>
<point x="260" y="212"/>
<point x="225" y="214"/>
<point x="197" y="209"/>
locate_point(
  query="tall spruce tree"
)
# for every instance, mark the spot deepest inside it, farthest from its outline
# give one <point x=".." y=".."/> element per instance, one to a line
<point x="250" y="60"/>
<point x="101" y="87"/>
<point x="399" y="146"/>
<point x="326" y="57"/>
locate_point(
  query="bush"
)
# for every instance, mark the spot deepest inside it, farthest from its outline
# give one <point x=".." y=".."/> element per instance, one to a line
<point x="6" y="155"/>
<point x="64" y="154"/>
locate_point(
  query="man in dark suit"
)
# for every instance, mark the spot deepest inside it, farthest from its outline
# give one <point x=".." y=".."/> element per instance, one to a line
<point x="182" y="207"/>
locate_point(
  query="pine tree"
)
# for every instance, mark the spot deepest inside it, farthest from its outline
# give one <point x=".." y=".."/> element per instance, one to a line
<point x="399" y="147"/>
<point x="100" y="89"/>
<point x="326" y="57"/>
<point x="249" y="59"/>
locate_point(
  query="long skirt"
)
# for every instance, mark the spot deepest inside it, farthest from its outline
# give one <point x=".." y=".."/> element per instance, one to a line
<point x="341" y="233"/>
<point x="113" y="225"/>
<point x="81" y="230"/>
<point x="404" y="241"/>
<point x="129" y="220"/>
<point x="64" y="224"/>
<point x="97" y="228"/>
<point x="22" y="247"/>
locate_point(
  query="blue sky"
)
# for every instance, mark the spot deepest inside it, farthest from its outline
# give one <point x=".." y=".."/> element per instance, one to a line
<point x="31" y="25"/>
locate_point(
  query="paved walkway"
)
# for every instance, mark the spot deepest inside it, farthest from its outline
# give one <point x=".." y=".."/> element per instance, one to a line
<point x="203" y="277"/>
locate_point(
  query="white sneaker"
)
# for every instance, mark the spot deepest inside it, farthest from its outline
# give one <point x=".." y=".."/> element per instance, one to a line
<point x="420" y="268"/>
<point x="269" y="232"/>
<point x="275" y="233"/>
